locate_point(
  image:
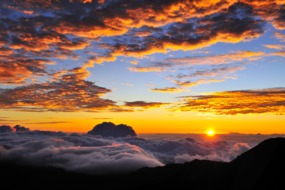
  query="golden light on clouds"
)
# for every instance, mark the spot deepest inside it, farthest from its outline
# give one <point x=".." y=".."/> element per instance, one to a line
<point x="237" y="102"/>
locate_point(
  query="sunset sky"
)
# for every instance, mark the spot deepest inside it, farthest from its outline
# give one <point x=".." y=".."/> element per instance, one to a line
<point x="160" y="66"/>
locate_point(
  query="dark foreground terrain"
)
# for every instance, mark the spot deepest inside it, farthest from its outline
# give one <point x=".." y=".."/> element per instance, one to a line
<point x="262" y="167"/>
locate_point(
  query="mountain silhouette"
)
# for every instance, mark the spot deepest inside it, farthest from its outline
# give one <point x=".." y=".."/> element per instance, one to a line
<point x="109" y="129"/>
<point x="262" y="167"/>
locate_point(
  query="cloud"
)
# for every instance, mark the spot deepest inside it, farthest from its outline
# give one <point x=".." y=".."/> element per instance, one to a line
<point x="167" y="90"/>
<point x="280" y="36"/>
<point x="191" y="78"/>
<point x="160" y="26"/>
<point x="220" y="59"/>
<point x="142" y="69"/>
<point x="68" y="92"/>
<point x="188" y="84"/>
<point x="96" y="155"/>
<point x="194" y="34"/>
<point x="17" y="69"/>
<point x="275" y="46"/>
<point x="36" y="33"/>
<point x="278" y="22"/>
<point x="103" y="157"/>
<point x="278" y="53"/>
<point x="236" y="149"/>
<point x="103" y="118"/>
<point x="220" y="70"/>
<point x="237" y="102"/>
<point x="134" y="62"/>
<point x="143" y="104"/>
<point x="49" y="122"/>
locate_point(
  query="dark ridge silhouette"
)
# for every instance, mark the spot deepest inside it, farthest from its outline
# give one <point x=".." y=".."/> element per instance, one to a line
<point x="5" y="129"/>
<point x="16" y="128"/>
<point x="109" y="129"/>
<point x="19" y="128"/>
<point x="259" y="168"/>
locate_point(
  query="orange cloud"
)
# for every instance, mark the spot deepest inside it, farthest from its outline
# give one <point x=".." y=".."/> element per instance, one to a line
<point x="237" y="102"/>
<point x="68" y="93"/>
<point x="16" y="69"/>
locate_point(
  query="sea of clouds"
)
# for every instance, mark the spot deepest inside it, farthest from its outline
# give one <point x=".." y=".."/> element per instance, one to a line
<point x="98" y="155"/>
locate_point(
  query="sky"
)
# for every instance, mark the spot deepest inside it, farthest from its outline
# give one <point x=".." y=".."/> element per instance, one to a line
<point x="160" y="66"/>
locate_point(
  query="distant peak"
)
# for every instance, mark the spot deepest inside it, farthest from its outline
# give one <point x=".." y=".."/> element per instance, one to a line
<point x="109" y="129"/>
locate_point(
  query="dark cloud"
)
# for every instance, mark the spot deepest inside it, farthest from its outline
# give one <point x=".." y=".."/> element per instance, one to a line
<point x="237" y="102"/>
<point x="143" y="104"/>
<point x="167" y="90"/>
<point x="235" y="25"/>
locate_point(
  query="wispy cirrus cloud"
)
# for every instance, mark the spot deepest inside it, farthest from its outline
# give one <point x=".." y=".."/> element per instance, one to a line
<point x="219" y="68"/>
<point x="275" y="46"/>
<point x="167" y="90"/>
<point x="220" y="59"/>
<point x="270" y="100"/>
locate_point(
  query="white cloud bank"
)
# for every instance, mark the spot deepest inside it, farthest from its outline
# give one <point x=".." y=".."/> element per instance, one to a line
<point x="97" y="155"/>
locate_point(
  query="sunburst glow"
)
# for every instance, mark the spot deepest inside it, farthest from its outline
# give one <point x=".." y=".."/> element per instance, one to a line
<point x="210" y="133"/>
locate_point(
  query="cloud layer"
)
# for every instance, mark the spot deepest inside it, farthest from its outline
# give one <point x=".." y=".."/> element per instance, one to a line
<point x="97" y="155"/>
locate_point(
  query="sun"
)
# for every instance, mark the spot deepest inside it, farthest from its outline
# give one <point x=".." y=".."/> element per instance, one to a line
<point x="210" y="133"/>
